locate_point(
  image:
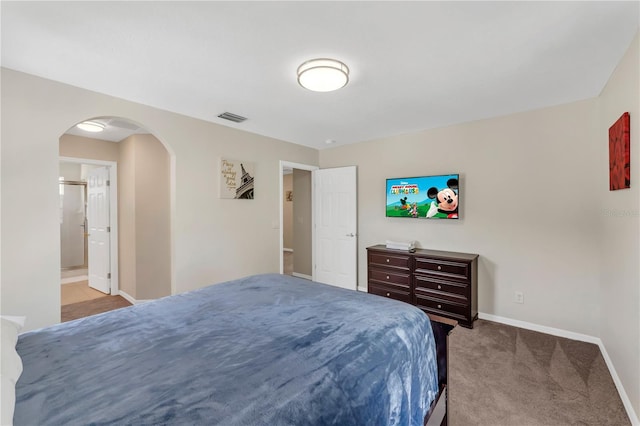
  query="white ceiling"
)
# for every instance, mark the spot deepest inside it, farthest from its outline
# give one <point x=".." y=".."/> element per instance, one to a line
<point x="414" y="65"/>
<point x="115" y="129"/>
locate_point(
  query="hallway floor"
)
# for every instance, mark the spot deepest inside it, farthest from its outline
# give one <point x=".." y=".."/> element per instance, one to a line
<point x="78" y="300"/>
<point x="78" y="291"/>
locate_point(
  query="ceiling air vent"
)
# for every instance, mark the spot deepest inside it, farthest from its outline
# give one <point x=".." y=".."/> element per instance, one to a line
<point x="232" y="117"/>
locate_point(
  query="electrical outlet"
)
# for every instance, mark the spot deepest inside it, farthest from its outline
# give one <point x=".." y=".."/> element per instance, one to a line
<point x="518" y="297"/>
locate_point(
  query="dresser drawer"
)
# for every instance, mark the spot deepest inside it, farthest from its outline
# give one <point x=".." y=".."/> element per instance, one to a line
<point x="397" y="261"/>
<point x="446" y="268"/>
<point x="442" y="283"/>
<point x="386" y="276"/>
<point x="390" y="292"/>
<point x="451" y="289"/>
<point x="442" y="307"/>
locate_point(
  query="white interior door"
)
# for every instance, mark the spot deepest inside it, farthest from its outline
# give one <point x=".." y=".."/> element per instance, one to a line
<point x="99" y="229"/>
<point x="336" y="242"/>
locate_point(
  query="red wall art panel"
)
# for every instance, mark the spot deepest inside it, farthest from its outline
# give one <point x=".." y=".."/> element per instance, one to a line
<point x="619" y="176"/>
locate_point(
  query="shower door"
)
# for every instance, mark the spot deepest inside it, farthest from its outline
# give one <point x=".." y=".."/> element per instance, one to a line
<point x="73" y="240"/>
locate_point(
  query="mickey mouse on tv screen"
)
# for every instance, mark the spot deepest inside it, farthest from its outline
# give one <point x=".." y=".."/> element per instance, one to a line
<point x="426" y="197"/>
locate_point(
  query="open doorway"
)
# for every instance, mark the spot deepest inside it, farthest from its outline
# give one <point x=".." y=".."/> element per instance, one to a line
<point x="128" y="210"/>
<point x="296" y="220"/>
<point x="88" y="236"/>
<point x="323" y="222"/>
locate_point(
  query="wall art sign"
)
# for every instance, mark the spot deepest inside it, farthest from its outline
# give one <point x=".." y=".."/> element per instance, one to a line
<point x="236" y="179"/>
<point x="619" y="160"/>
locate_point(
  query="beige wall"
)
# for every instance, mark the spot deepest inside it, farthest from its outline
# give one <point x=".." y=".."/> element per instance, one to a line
<point x="287" y="212"/>
<point x="70" y="171"/>
<point x="94" y="149"/>
<point x="527" y="207"/>
<point x="127" y="218"/>
<point x="206" y="247"/>
<point x="152" y="218"/>
<point x="619" y="236"/>
<point x="302" y="227"/>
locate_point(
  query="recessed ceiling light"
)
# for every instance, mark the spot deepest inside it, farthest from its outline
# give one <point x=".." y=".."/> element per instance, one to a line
<point x="323" y="75"/>
<point x="91" y="126"/>
<point x="329" y="141"/>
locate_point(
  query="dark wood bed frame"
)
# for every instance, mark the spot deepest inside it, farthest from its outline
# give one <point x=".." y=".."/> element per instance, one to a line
<point x="438" y="411"/>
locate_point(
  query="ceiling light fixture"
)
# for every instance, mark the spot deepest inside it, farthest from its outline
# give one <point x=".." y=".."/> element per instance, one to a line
<point x="91" y="126"/>
<point x="323" y="75"/>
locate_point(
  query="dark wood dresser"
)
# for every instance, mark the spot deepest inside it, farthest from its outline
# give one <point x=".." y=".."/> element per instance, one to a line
<point x="438" y="282"/>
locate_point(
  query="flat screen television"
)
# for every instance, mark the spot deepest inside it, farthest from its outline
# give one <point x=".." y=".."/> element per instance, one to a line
<point x="423" y="197"/>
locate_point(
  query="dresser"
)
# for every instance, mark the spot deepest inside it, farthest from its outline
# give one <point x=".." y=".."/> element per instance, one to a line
<point x="438" y="282"/>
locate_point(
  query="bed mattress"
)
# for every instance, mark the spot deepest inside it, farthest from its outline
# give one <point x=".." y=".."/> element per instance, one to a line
<point x="262" y="350"/>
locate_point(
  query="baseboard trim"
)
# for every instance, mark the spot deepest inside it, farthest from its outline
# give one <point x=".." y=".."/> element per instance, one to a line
<point x="574" y="336"/>
<point x="616" y="379"/>
<point x="127" y="297"/>
<point x="306" y="277"/>
<point x="131" y="299"/>
<point x="287" y="249"/>
<point x="540" y="328"/>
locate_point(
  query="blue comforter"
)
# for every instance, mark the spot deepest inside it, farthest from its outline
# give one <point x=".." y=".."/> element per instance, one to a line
<point x="263" y="350"/>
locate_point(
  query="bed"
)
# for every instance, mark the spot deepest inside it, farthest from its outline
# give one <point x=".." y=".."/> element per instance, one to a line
<point x="262" y="350"/>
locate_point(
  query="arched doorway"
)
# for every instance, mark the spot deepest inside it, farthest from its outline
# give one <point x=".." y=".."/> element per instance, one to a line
<point x="136" y="170"/>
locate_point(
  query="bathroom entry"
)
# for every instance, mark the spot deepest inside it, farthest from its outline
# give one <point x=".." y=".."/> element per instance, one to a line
<point x="73" y="226"/>
<point x="296" y="220"/>
<point x="85" y="224"/>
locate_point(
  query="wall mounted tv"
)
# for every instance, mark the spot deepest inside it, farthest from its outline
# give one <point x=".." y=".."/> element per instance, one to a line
<point x="423" y="197"/>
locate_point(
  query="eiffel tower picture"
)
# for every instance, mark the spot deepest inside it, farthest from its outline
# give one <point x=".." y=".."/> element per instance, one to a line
<point x="236" y="179"/>
<point x="245" y="190"/>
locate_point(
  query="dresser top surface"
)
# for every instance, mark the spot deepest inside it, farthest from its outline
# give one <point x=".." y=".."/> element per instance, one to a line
<point x="426" y="252"/>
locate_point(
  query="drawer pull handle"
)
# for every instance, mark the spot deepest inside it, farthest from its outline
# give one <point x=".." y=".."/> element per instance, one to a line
<point x="439" y="267"/>
<point x="439" y="287"/>
<point x="387" y="276"/>
<point x="388" y="295"/>
<point x="439" y="306"/>
<point x="387" y="260"/>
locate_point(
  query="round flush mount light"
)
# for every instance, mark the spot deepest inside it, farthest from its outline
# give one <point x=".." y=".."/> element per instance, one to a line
<point x="323" y="75"/>
<point x="91" y="126"/>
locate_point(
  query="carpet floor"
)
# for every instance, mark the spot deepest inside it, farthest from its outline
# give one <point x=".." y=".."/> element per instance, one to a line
<point x="503" y="375"/>
<point x="92" y="307"/>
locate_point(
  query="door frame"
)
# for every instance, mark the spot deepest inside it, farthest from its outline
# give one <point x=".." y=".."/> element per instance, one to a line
<point x="288" y="164"/>
<point x="113" y="213"/>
